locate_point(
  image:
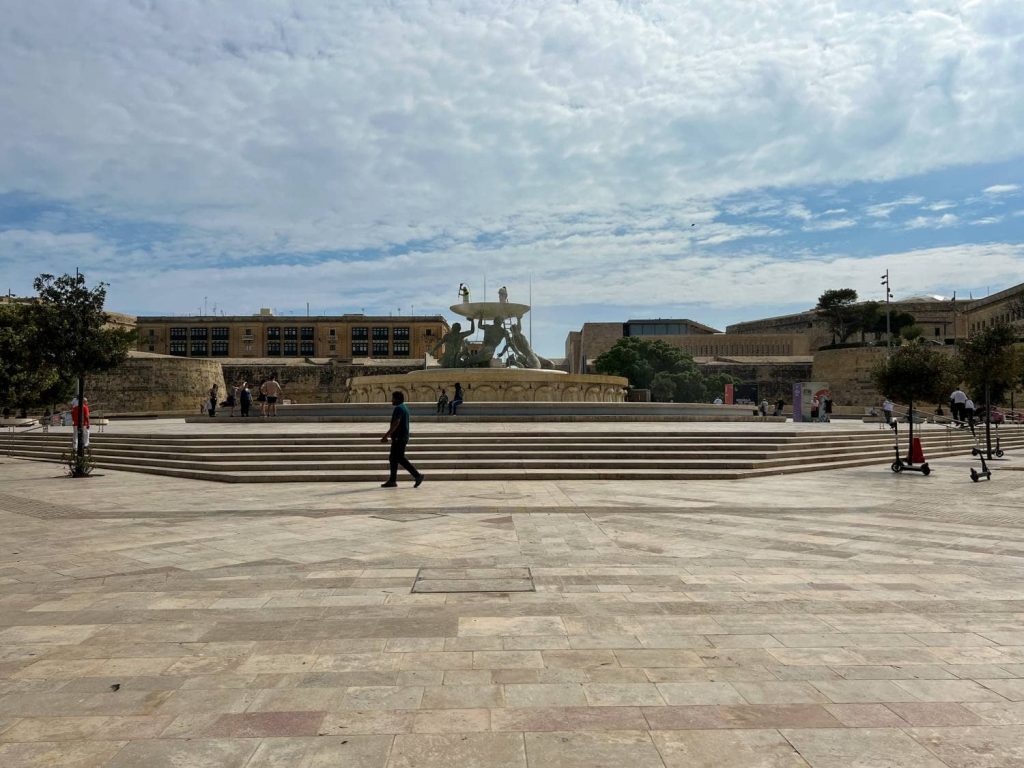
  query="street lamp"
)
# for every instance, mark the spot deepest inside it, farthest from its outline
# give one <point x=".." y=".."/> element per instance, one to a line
<point x="888" y="295"/>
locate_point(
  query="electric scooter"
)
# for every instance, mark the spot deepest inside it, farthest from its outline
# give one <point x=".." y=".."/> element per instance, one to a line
<point x="900" y="465"/>
<point x="985" y="471"/>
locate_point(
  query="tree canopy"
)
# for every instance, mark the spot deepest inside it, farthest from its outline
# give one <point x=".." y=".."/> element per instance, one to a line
<point x="837" y="307"/>
<point x="47" y="344"/>
<point x="915" y="372"/>
<point x="988" y="359"/>
<point x="667" y="371"/>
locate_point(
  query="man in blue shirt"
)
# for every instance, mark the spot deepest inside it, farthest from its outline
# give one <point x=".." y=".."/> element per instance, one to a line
<point x="398" y="433"/>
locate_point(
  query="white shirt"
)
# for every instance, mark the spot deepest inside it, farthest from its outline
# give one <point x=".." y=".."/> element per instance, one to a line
<point x="887" y="405"/>
<point x="718" y="401"/>
<point x="958" y="396"/>
<point x="969" y="404"/>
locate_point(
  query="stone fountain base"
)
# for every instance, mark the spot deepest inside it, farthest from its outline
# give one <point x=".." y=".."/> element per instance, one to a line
<point x="516" y="385"/>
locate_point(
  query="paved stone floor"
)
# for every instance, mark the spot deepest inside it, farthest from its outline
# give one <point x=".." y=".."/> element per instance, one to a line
<point x="850" y="618"/>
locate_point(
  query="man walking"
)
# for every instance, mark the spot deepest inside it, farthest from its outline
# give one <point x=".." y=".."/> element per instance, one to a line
<point x="957" y="405"/>
<point x="398" y="433"/>
<point x="272" y="391"/>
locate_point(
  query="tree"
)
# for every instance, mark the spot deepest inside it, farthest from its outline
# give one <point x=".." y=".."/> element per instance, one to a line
<point x="990" y="365"/>
<point x="24" y="381"/>
<point x="868" y="315"/>
<point x="911" y="332"/>
<point x="837" y="307"/>
<point x="74" y="338"/>
<point x="667" y="371"/>
<point x="915" y="372"/>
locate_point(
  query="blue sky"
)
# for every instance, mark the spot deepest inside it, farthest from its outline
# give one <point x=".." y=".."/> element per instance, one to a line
<point x="715" y="159"/>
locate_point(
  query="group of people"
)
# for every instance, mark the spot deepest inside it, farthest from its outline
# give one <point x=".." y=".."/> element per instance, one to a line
<point x="450" y="405"/>
<point x="961" y="409"/>
<point x="821" y="408"/>
<point x="241" y="397"/>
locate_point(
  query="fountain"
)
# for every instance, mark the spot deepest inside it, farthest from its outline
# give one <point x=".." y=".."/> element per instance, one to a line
<point x="501" y="367"/>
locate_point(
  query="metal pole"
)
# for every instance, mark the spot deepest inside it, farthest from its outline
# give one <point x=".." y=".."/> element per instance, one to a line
<point x="888" y="326"/>
<point x="988" y="420"/>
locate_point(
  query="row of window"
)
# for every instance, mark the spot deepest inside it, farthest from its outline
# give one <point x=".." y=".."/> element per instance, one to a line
<point x="276" y="333"/>
<point x="287" y="348"/>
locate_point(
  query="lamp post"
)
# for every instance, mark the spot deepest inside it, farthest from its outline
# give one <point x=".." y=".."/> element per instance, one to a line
<point x="888" y="295"/>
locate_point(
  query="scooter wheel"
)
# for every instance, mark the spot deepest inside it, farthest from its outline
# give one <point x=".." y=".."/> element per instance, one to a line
<point x="975" y="452"/>
<point x="999" y="454"/>
<point x="974" y="476"/>
<point x="926" y="470"/>
<point x="897" y="467"/>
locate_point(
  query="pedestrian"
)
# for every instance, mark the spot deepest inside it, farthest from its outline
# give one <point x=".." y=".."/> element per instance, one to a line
<point x="442" y="402"/>
<point x="887" y="406"/>
<point x="272" y="390"/>
<point x="828" y="408"/>
<point x="244" y="399"/>
<point x="453" y="406"/>
<point x="815" y="407"/>
<point x="780" y="407"/>
<point x="969" y="413"/>
<point x="398" y="434"/>
<point x="232" y="400"/>
<point x="764" y="407"/>
<point x="957" y="404"/>
<point x="211" y="403"/>
<point x="80" y="416"/>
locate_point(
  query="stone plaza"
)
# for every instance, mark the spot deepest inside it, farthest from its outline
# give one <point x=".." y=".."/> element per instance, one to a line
<point x="852" y="617"/>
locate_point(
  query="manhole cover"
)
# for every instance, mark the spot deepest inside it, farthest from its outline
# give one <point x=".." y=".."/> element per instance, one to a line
<point x="434" y="580"/>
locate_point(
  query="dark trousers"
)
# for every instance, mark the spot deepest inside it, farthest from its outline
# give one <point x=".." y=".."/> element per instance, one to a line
<point x="396" y="457"/>
<point x="245" y="407"/>
<point x="453" y="406"/>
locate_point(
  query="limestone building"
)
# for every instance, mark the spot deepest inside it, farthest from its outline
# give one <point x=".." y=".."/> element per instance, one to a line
<point x="267" y="335"/>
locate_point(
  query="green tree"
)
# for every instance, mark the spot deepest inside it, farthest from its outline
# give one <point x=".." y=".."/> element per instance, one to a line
<point x="911" y="332"/>
<point x="915" y="372"/>
<point x="667" y="371"/>
<point x="990" y="365"/>
<point x="25" y="382"/>
<point x="837" y="307"/>
<point x="75" y="338"/>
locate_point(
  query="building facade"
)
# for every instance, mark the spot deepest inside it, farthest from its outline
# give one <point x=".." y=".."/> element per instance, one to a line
<point x="266" y="335"/>
<point x="1003" y="307"/>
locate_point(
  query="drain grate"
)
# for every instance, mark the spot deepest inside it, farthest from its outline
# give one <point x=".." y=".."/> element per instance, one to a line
<point x="435" y="580"/>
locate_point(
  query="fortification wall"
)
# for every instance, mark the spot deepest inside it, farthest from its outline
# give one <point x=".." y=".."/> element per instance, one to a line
<point x="147" y="382"/>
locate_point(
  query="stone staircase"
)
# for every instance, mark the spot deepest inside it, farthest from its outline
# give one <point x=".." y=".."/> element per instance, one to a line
<point x="266" y="457"/>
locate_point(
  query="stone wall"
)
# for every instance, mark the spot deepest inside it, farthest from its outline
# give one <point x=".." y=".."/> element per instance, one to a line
<point x="309" y="382"/>
<point x="146" y="383"/>
<point x="773" y="380"/>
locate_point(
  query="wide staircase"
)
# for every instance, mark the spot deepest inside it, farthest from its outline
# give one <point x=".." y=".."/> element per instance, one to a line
<point x="266" y="457"/>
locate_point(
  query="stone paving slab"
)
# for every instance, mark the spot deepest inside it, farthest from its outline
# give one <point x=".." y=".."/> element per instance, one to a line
<point x="849" y="618"/>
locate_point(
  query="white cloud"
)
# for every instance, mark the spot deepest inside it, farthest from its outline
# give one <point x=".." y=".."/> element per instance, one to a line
<point x="1001" y="189"/>
<point x="987" y="220"/>
<point x="883" y="210"/>
<point x="828" y="225"/>
<point x="941" y="205"/>
<point x="933" y="222"/>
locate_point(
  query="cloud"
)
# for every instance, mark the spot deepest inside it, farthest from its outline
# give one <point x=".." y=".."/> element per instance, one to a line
<point x="884" y="210"/>
<point x="828" y="225"/>
<point x="1001" y="189"/>
<point x="933" y="222"/>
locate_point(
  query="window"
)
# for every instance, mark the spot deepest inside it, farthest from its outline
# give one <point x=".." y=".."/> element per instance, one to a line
<point x="179" y="348"/>
<point x="291" y="333"/>
<point x="306" y="334"/>
<point x="248" y="347"/>
<point x="151" y="348"/>
<point x="380" y="348"/>
<point x="936" y="331"/>
<point x="178" y="333"/>
<point x="220" y="333"/>
<point x="247" y="334"/>
<point x="429" y="332"/>
<point x="401" y="333"/>
<point x="274" y="348"/>
<point x="291" y="348"/>
<point x="333" y="348"/>
<point x="401" y="349"/>
<point x="152" y="333"/>
<point x="198" y="348"/>
<point x="273" y="333"/>
<point x="358" y="334"/>
<point x="219" y="348"/>
<point x="306" y="348"/>
<point x="198" y="333"/>
<point x="380" y="334"/>
<point x="332" y="332"/>
<point x="360" y="348"/>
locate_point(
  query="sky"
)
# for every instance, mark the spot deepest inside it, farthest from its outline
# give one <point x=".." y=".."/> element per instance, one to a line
<point x="718" y="160"/>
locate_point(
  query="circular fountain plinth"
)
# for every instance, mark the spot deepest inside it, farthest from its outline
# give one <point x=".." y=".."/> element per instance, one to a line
<point x="517" y="385"/>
